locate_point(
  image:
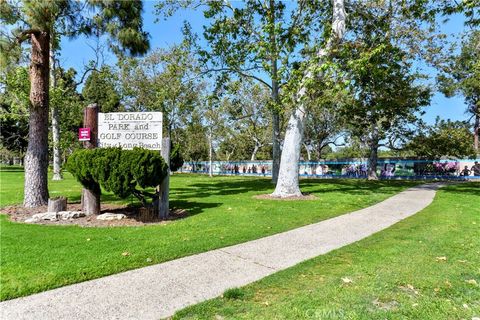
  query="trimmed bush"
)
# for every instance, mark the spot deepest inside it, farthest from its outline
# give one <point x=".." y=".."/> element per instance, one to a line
<point x="119" y="171"/>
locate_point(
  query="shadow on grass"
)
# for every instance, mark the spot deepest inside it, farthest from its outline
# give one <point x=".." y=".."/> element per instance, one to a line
<point x="225" y="188"/>
<point x="192" y="207"/>
<point x="11" y="169"/>
<point x="354" y="186"/>
<point x="472" y="188"/>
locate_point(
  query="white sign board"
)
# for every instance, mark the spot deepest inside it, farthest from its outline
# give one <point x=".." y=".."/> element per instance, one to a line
<point x="130" y="129"/>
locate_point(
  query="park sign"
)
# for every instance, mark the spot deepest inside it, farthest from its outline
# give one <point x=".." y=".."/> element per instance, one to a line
<point x="130" y="129"/>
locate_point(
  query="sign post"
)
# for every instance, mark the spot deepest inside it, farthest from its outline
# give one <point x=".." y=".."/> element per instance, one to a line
<point x="163" y="209"/>
<point x="91" y="198"/>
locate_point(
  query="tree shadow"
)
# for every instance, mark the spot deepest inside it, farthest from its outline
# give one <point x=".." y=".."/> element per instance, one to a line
<point x="225" y="188"/>
<point x="471" y="188"/>
<point x="11" y="169"/>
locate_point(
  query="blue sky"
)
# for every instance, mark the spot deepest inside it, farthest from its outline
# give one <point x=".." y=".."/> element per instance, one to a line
<point x="77" y="53"/>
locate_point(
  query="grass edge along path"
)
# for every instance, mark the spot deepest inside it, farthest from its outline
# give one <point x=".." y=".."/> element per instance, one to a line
<point x="36" y="258"/>
<point x="424" y="267"/>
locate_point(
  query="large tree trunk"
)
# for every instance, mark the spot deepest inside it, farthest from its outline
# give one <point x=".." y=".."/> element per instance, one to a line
<point x="309" y="153"/>
<point x="476" y="131"/>
<point x="210" y="154"/>
<point x="255" y="150"/>
<point x="164" y="203"/>
<point x="373" y="159"/>
<point x="287" y="184"/>
<point x="36" y="157"/>
<point x="276" y="140"/>
<point x="57" y="158"/>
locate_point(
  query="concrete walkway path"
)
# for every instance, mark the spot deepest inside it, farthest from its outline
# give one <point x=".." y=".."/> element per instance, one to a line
<point x="158" y="291"/>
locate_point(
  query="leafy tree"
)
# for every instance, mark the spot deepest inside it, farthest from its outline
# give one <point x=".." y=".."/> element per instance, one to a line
<point x="176" y="158"/>
<point x="166" y="80"/>
<point x="385" y="97"/>
<point x="194" y="139"/>
<point x="101" y="88"/>
<point x="461" y="75"/>
<point x="13" y="109"/>
<point x="323" y="127"/>
<point x="246" y="107"/>
<point x="258" y="40"/>
<point x="36" y="22"/>
<point x="444" y="139"/>
<point x="306" y="77"/>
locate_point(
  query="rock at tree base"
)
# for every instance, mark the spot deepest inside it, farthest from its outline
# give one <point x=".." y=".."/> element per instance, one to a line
<point x="55" y="216"/>
<point x="111" y="216"/>
<point x="66" y="215"/>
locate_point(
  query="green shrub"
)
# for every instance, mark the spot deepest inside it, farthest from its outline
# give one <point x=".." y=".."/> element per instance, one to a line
<point x="118" y="171"/>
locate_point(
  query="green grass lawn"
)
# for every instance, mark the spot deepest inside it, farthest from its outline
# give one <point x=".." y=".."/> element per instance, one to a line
<point x="424" y="267"/>
<point x="222" y="212"/>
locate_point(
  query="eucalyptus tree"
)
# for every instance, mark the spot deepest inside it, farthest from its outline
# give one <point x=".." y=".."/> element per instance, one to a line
<point x="287" y="184"/>
<point x="254" y="39"/>
<point x="14" y="88"/>
<point x="102" y="88"/>
<point x="445" y="138"/>
<point x="34" y="22"/>
<point x="322" y="129"/>
<point x="410" y="27"/>
<point x="460" y="74"/>
<point x="385" y="96"/>
<point x="166" y="80"/>
<point x="247" y="109"/>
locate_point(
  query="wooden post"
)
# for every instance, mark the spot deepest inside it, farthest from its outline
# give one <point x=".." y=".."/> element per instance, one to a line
<point x="57" y="204"/>
<point x="91" y="197"/>
<point x="163" y="204"/>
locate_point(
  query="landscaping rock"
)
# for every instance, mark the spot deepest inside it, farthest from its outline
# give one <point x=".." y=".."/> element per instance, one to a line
<point x="50" y="216"/>
<point x="66" y="215"/>
<point x="55" y="216"/>
<point x="111" y="216"/>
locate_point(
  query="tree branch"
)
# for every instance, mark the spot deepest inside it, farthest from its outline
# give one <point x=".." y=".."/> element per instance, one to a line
<point x="25" y="34"/>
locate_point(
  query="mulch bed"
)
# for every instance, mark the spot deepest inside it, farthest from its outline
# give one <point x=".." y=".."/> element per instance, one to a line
<point x="134" y="216"/>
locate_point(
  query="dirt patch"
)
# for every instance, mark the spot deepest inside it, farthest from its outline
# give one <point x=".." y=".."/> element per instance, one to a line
<point x="270" y="197"/>
<point x="134" y="216"/>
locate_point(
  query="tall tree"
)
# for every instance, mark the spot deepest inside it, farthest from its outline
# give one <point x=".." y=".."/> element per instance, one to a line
<point x="461" y="75"/>
<point x="246" y="106"/>
<point x="101" y="88"/>
<point x="14" y="109"/>
<point x="166" y="80"/>
<point x="287" y="184"/>
<point x="35" y="21"/>
<point x="443" y="139"/>
<point x="254" y="39"/>
<point x="385" y="96"/>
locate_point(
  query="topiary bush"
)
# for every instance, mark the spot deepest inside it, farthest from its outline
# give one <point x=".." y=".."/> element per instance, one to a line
<point x="119" y="171"/>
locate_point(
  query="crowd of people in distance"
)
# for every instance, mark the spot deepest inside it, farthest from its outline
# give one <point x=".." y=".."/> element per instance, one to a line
<point x="387" y="170"/>
<point x="475" y="169"/>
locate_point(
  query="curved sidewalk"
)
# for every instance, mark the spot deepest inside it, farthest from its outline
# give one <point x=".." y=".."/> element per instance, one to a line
<point x="158" y="291"/>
